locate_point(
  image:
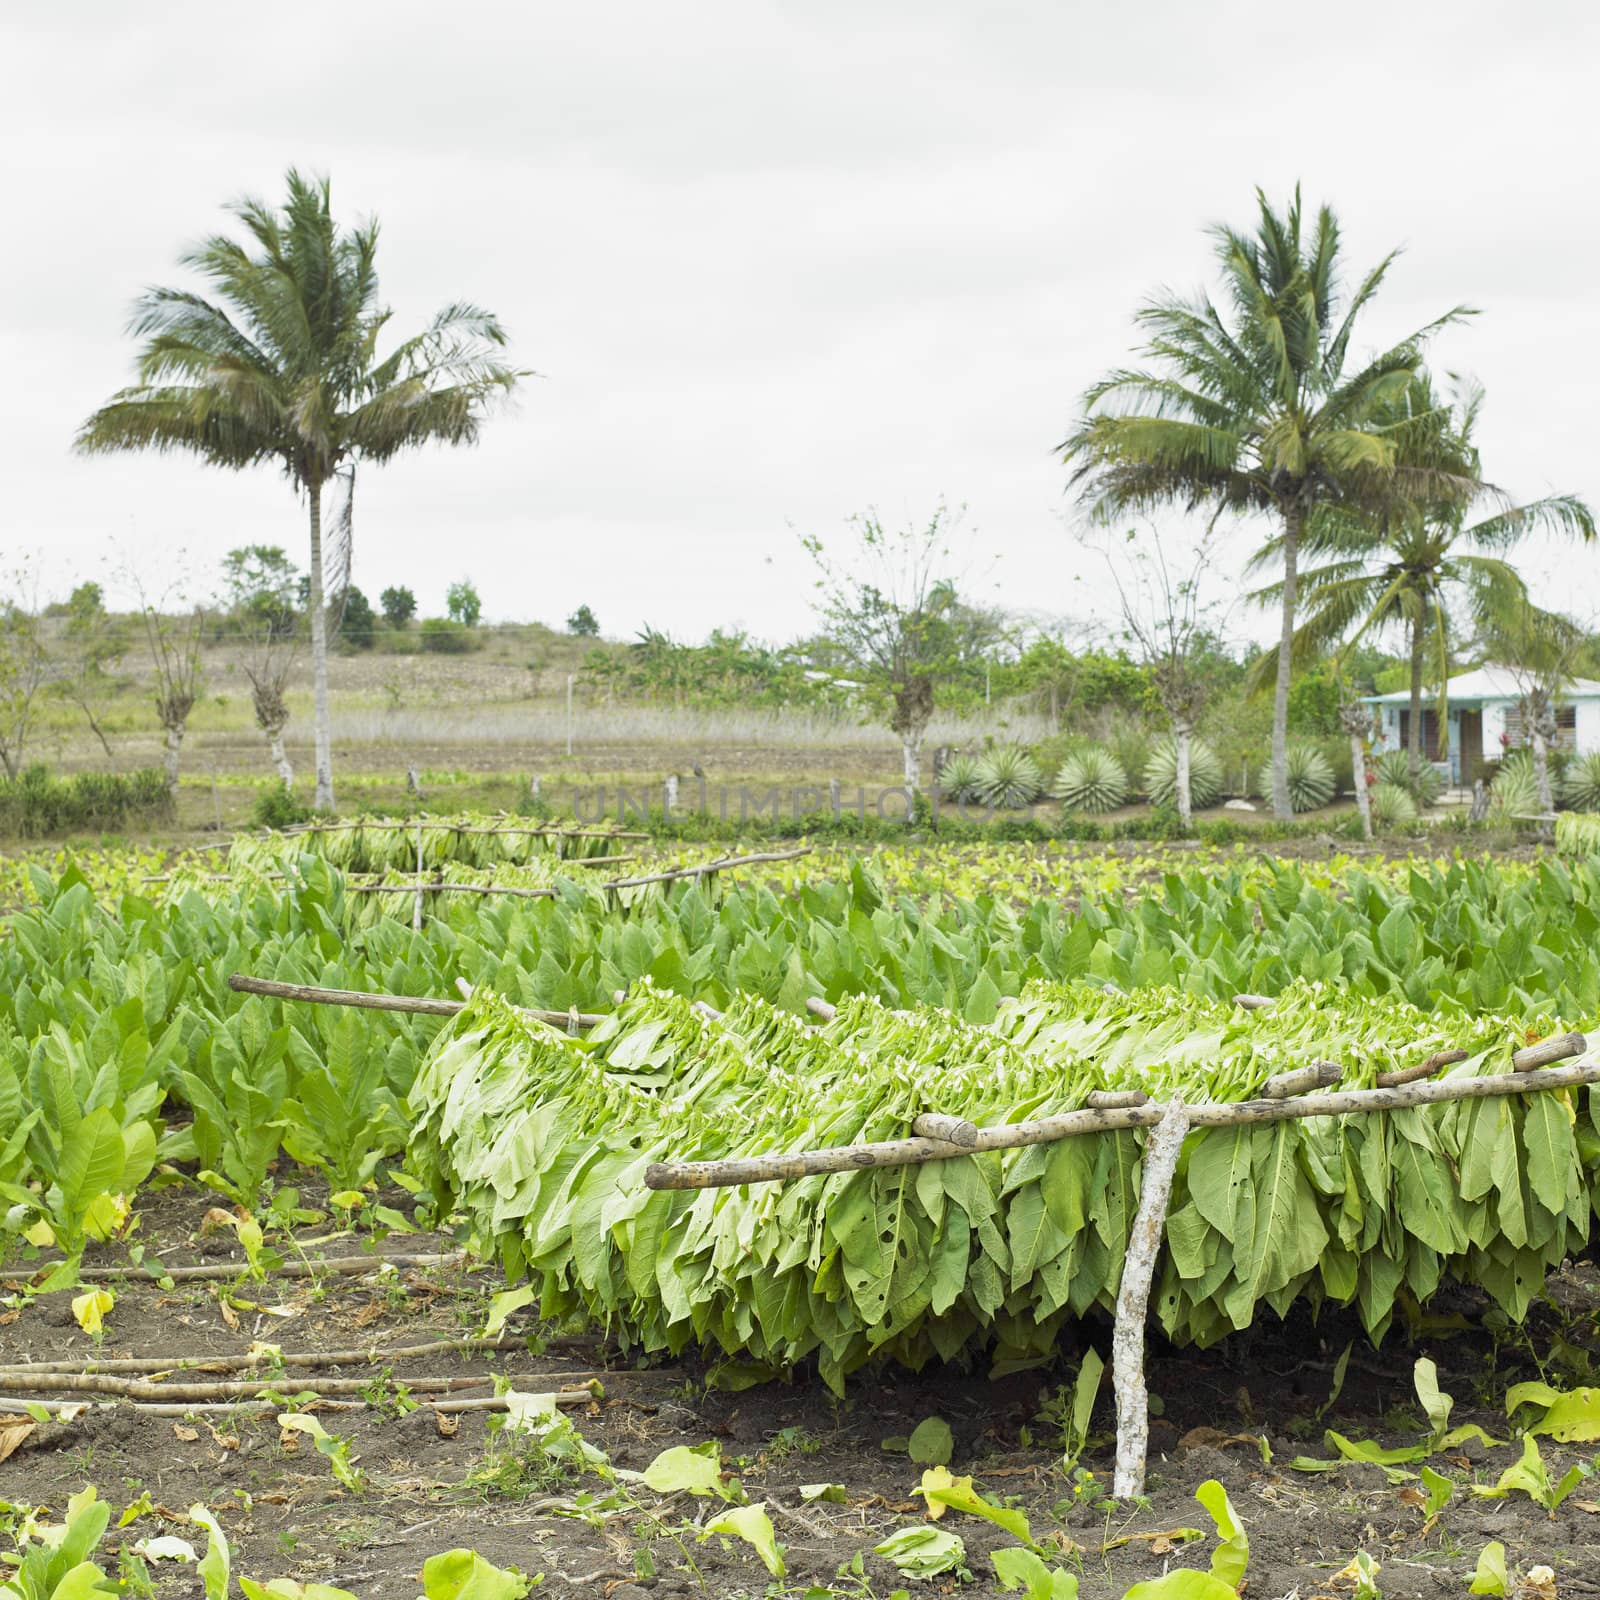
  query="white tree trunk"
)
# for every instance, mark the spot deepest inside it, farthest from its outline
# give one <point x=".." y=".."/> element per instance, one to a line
<point x="174" y="747"/>
<point x="1282" y="808"/>
<point x="1358" y="765"/>
<point x="1161" y="1151"/>
<point x="319" y="659"/>
<point x="280" y="757"/>
<point x="911" y="760"/>
<point x="1181" y="737"/>
<point x="1541" y="769"/>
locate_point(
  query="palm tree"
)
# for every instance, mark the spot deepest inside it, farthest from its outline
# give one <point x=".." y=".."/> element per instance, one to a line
<point x="1255" y="412"/>
<point x="1419" y="563"/>
<point x="284" y="367"/>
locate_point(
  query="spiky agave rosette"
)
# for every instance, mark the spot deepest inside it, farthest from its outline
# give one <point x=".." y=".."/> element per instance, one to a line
<point x="544" y="1140"/>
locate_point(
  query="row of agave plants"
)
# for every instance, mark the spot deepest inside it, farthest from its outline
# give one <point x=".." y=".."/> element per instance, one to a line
<point x="1093" y="781"/>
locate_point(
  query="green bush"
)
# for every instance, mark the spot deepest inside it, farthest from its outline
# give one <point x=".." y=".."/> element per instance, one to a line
<point x="1311" y="781"/>
<point x="1392" y="805"/>
<point x="276" y="806"/>
<point x="1009" y="777"/>
<point x="1581" y="788"/>
<point x="1394" y="766"/>
<point x="959" y="779"/>
<point x="37" y="804"/>
<point x="442" y="637"/>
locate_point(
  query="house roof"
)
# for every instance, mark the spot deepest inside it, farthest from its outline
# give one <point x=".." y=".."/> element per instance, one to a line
<point x="1488" y="682"/>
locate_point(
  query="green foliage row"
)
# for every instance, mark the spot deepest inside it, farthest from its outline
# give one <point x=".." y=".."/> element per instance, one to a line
<point x="37" y="804"/>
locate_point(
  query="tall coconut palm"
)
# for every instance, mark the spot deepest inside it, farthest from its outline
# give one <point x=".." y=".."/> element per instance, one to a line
<point x="1256" y="411"/>
<point x="283" y="366"/>
<point x="1420" y="564"/>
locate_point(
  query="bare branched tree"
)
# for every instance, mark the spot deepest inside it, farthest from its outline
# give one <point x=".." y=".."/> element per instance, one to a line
<point x="269" y="659"/>
<point x="1169" y="623"/>
<point x="173" y="639"/>
<point x="24" y="672"/>
<point x="892" y="611"/>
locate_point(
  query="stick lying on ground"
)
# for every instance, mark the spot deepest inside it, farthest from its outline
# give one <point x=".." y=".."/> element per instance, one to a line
<point x="11" y="1405"/>
<point x="336" y="1266"/>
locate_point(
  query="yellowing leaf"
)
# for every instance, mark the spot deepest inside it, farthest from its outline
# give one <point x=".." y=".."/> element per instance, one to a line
<point x="754" y="1526"/>
<point x="92" y="1308"/>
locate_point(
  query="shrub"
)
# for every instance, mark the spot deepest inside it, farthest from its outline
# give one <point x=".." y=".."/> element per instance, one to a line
<point x="36" y="804"/>
<point x="1205" y="774"/>
<point x="1009" y="777"/>
<point x="958" y="780"/>
<point x="1394" y="766"/>
<point x="1392" y="805"/>
<point x="1514" y="794"/>
<point x="1311" y="781"/>
<point x="1581" y="788"/>
<point x="277" y="807"/>
<point x="1091" y="780"/>
<point x="443" y="637"/>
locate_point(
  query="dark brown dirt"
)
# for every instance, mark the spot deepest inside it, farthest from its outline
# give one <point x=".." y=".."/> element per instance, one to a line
<point x="427" y="1490"/>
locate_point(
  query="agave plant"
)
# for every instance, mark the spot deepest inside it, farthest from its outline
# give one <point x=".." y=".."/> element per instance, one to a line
<point x="1392" y="805"/>
<point x="958" y="780"/>
<point x="1205" y="774"/>
<point x="1514" y="794"/>
<point x="1581" y="790"/>
<point x="1394" y="766"/>
<point x="1091" y="780"/>
<point x="1311" y="780"/>
<point x="1008" y="776"/>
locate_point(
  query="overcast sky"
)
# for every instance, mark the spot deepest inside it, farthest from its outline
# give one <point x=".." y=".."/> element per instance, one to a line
<point x="774" y="263"/>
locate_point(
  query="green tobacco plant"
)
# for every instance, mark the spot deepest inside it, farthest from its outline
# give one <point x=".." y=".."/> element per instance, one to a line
<point x="64" y="1570"/>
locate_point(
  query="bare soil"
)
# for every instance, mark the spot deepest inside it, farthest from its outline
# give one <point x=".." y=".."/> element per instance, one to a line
<point x="433" y="1482"/>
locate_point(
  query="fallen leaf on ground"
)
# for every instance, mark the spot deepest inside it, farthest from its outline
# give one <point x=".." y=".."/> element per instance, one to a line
<point x="184" y="1435"/>
<point x="8" y="1317"/>
<point x="13" y="1430"/>
<point x="448" y="1424"/>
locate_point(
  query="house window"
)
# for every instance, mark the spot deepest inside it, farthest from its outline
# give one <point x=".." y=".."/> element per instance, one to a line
<point x="1566" y="727"/>
<point x="1430" y="734"/>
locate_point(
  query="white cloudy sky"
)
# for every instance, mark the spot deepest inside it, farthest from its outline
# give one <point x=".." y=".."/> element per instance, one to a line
<point x="774" y="262"/>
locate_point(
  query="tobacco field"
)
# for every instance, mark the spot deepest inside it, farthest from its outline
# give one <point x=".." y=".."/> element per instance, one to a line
<point x="992" y="989"/>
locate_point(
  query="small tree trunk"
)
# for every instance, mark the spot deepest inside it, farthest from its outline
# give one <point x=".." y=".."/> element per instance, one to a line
<point x="1542" y="729"/>
<point x="1414" y="742"/>
<point x="280" y="756"/>
<point x="174" y="748"/>
<point x="1181" y="736"/>
<point x="319" y="658"/>
<point x="1281" y="806"/>
<point x="911" y="759"/>
<point x="1358" y="766"/>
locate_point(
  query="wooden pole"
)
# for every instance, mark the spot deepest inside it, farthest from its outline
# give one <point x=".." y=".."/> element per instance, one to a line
<point x="1071" y="1124"/>
<point x="953" y="1130"/>
<point x="1133" y="1299"/>
<point x="1319" y="1075"/>
<point x="820" y="1008"/>
<point x="1253" y="1002"/>
<point x="721" y="864"/>
<point x="243" y="983"/>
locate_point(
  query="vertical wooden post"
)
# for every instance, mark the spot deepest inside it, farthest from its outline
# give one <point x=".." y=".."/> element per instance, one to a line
<point x="1161" y="1152"/>
<point x="416" y="905"/>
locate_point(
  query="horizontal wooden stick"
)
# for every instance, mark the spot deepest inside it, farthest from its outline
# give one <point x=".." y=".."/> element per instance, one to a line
<point x="243" y="983"/>
<point x="953" y="1130"/>
<point x="337" y="1266"/>
<point x="721" y="864"/>
<point x="221" y="1389"/>
<point x="818" y="1007"/>
<point x="1319" y="1075"/>
<point x="409" y="825"/>
<point x="1423" y="1069"/>
<point x="1112" y="1099"/>
<point x="11" y="1405"/>
<point x="1558" y="1047"/>
<point x="1253" y="1002"/>
<point x="423" y="885"/>
<point x="1070" y="1124"/>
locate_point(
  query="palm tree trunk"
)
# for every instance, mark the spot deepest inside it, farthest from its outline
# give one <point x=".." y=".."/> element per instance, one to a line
<point x="1414" y="742"/>
<point x="1181" y="735"/>
<point x="1282" y="808"/>
<point x="319" y="659"/>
